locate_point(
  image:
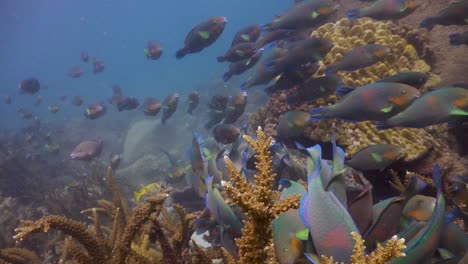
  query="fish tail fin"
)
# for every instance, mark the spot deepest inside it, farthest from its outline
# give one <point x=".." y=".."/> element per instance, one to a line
<point x="437" y="178"/>
<point x="318" y="114"/>
<point x="343" y="90"/>
<point x="453" y="39"/>
<point x="265" y="27"/>
<point x="227" y="76"/>
<point x="220" y="59"/>
<point x="137" y="196"/>
<point x="353" y="14"/>
<point x="181" y="53"/>
<point x="209" y="182"/>
<point x="415" y="186"/>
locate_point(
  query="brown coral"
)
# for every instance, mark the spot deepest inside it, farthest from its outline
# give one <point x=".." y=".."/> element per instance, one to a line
<point x="258" y="201"/>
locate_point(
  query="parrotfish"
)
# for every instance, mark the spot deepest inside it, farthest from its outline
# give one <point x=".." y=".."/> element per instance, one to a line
<point x="239" y="52"/>
<point x="226" y="133"/>
<point x="239" y="67"/>
<point x="315" y="88"/>
<point x="151" y="106"/>
<point x="386" y="220"/>
<point x="272" y="37"/>
<point x="359" y="57"/>
<point x="87" y="150"/>
<point x="177" y="169"/>
<point x="75" y="72"/>
<point x="444" y="105"/>
<point x="375" y="101"/>
<point x="98" y="66"/>
<point x="29" y="86"/>
<point x="459" y="39"/>
<point x="77" y="101"/>
<point x="127" y="103"/>
<point x="303" y="15"/>
<point x="169" y="106"/>
<point x="459" y="189"/>
<point x="261" y="76"/>
<point x="247" y="34"/>
<point x="456" y="13"/>
<point x="291" y="78"/>
<point x="385" y="9"/>
<point x="53" y="108"/>
<point x="153" y="50"/>
<point x="217" y="106"/>
<point x="84" y="56"/>
<point x="424" y="244"/>
<point x="194" y="100"/>
<point x="292" y="124"/>
<point x="198" y="166"/>
<point x="415" y="79"/>
<point x="420" y="207"/>
<point x="230" y="226"/>
<point x="375" y="157"/>
<point x="287" y="246"/>
<point x="202" y="36"/>
<point x="298" y="53"/>
<point x="236" y="107"/>
<point x="454" y="239"/>
<point x="95" y="110"/>
<point x="328" y="221"/>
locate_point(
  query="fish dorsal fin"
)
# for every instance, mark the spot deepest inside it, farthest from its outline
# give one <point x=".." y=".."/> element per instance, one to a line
<point x="204" y="34"/>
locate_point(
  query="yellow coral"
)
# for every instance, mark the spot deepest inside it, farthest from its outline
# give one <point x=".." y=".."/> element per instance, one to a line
<point x="393" y="249"/>
<point x="258" y="201"/>
<point x="354" y="136"/>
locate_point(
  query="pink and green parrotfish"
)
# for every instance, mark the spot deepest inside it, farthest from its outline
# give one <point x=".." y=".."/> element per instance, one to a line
<point x="385" y="9"/>
<point x="375" y="157"/>
<point x="359" y="57"/>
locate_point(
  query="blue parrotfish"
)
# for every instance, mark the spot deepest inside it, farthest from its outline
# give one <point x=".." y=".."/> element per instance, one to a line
<point x="375" y="101"/>
<point x="328" y="221"/>
<point x="456" y="13"/>
<point x="375" y="157"/>
<point x="444" y="105"/>
<point x="359" y="57"/>
<point x="287" y="246"/>
<point x="385" y="9"/>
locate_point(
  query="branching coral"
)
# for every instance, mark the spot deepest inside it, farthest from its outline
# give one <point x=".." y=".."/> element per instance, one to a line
<point x="393" y="249"/>
<point x="258" y="201"/>
<point x="18" y="256"/>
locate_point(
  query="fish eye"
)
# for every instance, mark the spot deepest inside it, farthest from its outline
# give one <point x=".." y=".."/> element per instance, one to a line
<point x="403" y="91"/>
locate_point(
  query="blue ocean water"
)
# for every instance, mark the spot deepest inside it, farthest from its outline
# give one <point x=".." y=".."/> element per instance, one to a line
<point x="44" y="39"/>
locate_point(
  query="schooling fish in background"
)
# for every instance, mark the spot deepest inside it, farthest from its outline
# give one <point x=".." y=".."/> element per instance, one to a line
<point x="421" y="247"/>
<point x="75" y="72"/>
<point x="375" y="157"/>
<point x="95" y="110"/>
<point x="455" y="13"/>
<point x="53" y="108"/>
<point x="328" y="221"/>
<point x="151" y="106"/>
<point x="415" y="79"/>
<point x="386" y="215"/>
<point x="292" y="124"/>
<point x="98" y="66"/>
<point x="261" y="76"/>
<point x="303" y="15"/>
<point x="84" y="56"/>
<point x="458" y="39"/>
<point x="217" y="106"/>
<point x="292" y="77"/>
<point x="315" y="88"/>
<point x="298" y="53"/>
<point x="375" y="101"/>
<point x="272" y="37"/>
<point x="236" y="107"/>
<point x="248" y="34"/>
<point x="153" y="50"/>
<point x="194" y="100"/>
<point x="230" y="226"/>
<point x="77" y="100"/>
<point x="87" y="150"/>
<point x="202" y="36"/>
<point x="239" y="67"/>
<point x="7" y="99"/>
<point x="29" y="86"/>
<point x="226" y="133"/>
<point x="169" y="106"/>
<point x="238" y="52"/>
<point x="127" y="103"/>
<point x="385" y="9"/>
<point x="38" y="101"/>
<point x="288" y="247"/>
<point x="444" y="105"/>
<point x="359" y="57"/>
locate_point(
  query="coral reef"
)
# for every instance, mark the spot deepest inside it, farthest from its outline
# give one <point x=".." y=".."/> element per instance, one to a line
<point x="19" y="256"/>
<point x="393" y="249"/>
<point x="348" y="34"/>
<point x="259" y="202"/>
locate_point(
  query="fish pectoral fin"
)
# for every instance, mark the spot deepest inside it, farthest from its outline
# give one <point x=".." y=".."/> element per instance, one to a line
<point x="315" y="14"/>
<point x="387" y="109"/>
<point x="376" y="157"/>
<point x="245" y="37"/>
<point x="303" y="234"/>
<point x="459" y="112"/>
<point x="204" y="34"/>
<point x="146" y="51"/>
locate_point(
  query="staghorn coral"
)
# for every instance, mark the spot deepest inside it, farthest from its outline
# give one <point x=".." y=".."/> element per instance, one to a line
<point x="393" y="249"/>
<point x="348" y="34"/>
<point x="18" y="256"/>
<point x="259" y="202"/>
